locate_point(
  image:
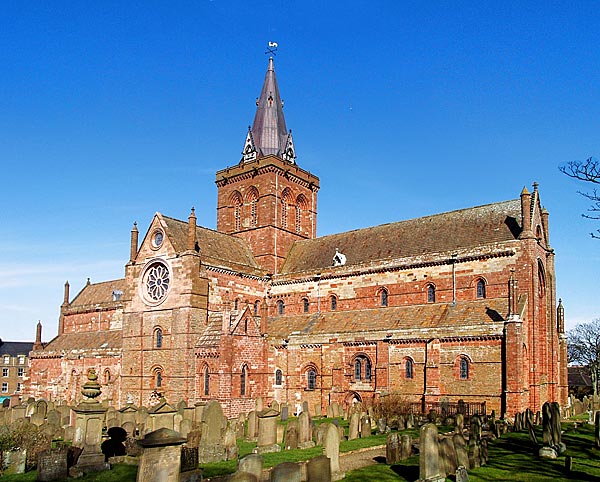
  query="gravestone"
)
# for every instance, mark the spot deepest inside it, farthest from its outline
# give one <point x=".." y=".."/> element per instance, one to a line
<point x="252" y="426"/>
<point x="318" y="469"/>
<point x="381" y="425"/>
<point x="252" y="464"/>
<point x="189" y="459"/>
<point x="211" y="448"/>
<point x="331" y="448"/>
<point x="243" y="477"/>
<point x="286" y="472"/>
<point x="284" y="413"/>
<point x="14" y="461"/>
<point x="52" y="464"/>
<point x="267" y="431"/>
<point x="230" y="443"/>
<point x="161" y="456"/>
<point x="448" y="455"/>
<point x="353" y="427"/>
<point x="459" y="423"/>
<point x="291" y="435"/>
<point x="305" y="433"/>
<point x="429" y="459"/>
<point x="392" y="448"/>
<point x="405" y="446"/>
<point x="461" y="474"/>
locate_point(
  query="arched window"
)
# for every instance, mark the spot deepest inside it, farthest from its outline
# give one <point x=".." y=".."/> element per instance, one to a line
<point x="243" y="381"/>
<point x="305" y="305"/>
<point x="236" y="202"/>
<point x="300" y="208"/>
<point x="333" y="301"/>
<point x="464" y="368"/>
<point x="383" y="294"/>
<point x="409" y="369"/>
<point x="278" y="377"/>
<point x="311" y="379"/>
<point x="280" y="307"/>
<point x="252" y="200"/>
<point x="480" y="288"/>
<point x="158" y="338"/>
<point x="158" y="378"/>
<point x="106" y="376"/>
<point x="286" y="200"/>
<point x="206" y="381"/>
<point x="362" y="368"/>
<point x="236" y="304"/>
<point x="541" y="280"/>
<point x="256" y="307"/>
<point x="430" y="293"/>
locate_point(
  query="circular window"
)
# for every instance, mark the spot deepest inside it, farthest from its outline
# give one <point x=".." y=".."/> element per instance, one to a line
<point x="157" y="239"/>
<point x="156" y="282"/>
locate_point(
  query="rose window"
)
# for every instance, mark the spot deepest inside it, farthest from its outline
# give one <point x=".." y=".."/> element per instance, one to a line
<point x="157" y="282"/>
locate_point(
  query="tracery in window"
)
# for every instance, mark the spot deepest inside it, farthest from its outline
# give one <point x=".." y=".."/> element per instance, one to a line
<point x="156" y="281"/>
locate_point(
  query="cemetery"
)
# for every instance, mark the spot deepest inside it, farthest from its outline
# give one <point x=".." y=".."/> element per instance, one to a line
<point x="47" y="441"/>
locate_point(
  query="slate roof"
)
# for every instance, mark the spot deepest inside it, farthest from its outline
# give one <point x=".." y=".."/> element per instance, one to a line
<point x="96" y="340"/>
<point x="15" y="348"/>
<point x="410" y="318"/>
<point x="446" y="232"/>
<point x="98" y="293"/>
<point x="216" y="249"/>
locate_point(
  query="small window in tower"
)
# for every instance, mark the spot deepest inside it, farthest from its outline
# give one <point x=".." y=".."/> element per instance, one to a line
<point x="480" y="288"/>
<point x="430" y="293"/>
<point x="206" y="381"/>
<point x="305" y="305"/>
<point x="280" y="307"/>
<point x="333" y="303"/>
<point x="235" y="304"/>
<point x="158" y="378"/>
<point x="278" y="377"/>
<point x="256" y="307"/>
<point x="158" y="338"/>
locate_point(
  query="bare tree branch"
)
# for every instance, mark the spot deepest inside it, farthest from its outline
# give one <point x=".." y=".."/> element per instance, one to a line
<point x="588" y="171"/>
<point x="584" y="348"/>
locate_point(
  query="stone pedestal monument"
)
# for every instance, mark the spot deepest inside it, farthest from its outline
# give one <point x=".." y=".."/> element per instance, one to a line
<point x="89" y="419"/>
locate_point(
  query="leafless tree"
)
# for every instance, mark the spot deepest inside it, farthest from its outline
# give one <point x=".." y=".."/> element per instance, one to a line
<point x="584" y="348"/>
<point x="588" y="171"/>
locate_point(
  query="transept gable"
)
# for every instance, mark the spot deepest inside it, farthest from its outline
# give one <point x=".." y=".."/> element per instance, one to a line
<point x="158" y="241"/>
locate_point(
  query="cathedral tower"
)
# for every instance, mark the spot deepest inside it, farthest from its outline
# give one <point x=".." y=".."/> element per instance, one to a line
<point x="267" y="199"/>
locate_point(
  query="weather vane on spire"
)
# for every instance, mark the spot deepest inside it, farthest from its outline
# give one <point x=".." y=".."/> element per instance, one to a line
<point x="272" y="48"/>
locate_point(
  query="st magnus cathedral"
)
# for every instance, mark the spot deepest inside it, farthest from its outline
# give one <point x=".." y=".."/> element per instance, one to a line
<point x="454" y="306"/>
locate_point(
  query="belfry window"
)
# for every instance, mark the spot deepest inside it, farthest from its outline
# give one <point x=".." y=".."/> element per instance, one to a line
<point x="280" y="307"/>
<point x="480" y="288"/>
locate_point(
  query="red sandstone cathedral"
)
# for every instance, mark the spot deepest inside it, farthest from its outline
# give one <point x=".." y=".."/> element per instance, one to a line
<point x="455" y="306"/>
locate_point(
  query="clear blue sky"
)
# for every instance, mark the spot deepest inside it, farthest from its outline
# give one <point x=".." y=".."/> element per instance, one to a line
<point x="111" y="111"/>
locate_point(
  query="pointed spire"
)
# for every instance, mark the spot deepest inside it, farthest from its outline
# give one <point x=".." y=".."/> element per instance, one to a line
<point x="269" y="133"/>
<point x="38" y="336"/>
<point x="134" y="242"/>
<point x="192" y="230"/>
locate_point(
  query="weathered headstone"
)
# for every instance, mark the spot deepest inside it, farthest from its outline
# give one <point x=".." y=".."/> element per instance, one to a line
<point x="459" y="423"/>
<point x="211" y="448"/>
<point x="429" y="460"/>
<point x="267" y="431"/>
<point x="161" y="457"/>
<point x="14" y="461"/>
<point x="331" y="448"/>
<point x="284" y="413"/>
<point x="252" y="464"/>
<point x="286" y="472"/>
<point x="305" y="434"/>
<point x="52" y="464"/>
<point x="252" y="426"/>
<point x="354" y="426"/>
<point x="318" y="469"/>
<point x="460" y="447"/>
<point x="448" y="455"/>
<point x="461" y="474"/>
<point x="392" y="448"/>
<point x="405" y="446"/>
<point x="230" y="444"/>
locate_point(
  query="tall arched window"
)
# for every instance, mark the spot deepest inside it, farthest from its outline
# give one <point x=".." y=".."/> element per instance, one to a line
<point x="300" y="208"/>
<point x="206" y="381"/>
<point x="409" y="369"/>
<point x="158" y="378"/>
<point x="286" y="200"/>
<point x="430" y="293"/>
<point x="383" y="295"/>
<point x="311" y="379"/>
<point x="280" y="307"/>
<point x="158" y="338"/>
<point x="243" y="381"/>
<point x="357" y="369"/>
<point x="236" y="304"/>
<point x="480" y="288"/>
<point x="256" y="307"/>
<point x="333" y="301"/>
<point x="305" y="305"/>
<point x="464" y="368"/>
<point x="106" y="376"/>
<point x="252" y="201"/>
<point x="278" y="377"/>
<point x="236" y="202"/>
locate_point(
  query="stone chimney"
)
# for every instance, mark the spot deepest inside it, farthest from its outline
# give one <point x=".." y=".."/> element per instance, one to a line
<point x="134" y="242"/>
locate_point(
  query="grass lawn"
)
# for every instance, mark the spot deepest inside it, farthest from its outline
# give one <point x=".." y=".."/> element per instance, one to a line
<point x="511" y="458"/>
